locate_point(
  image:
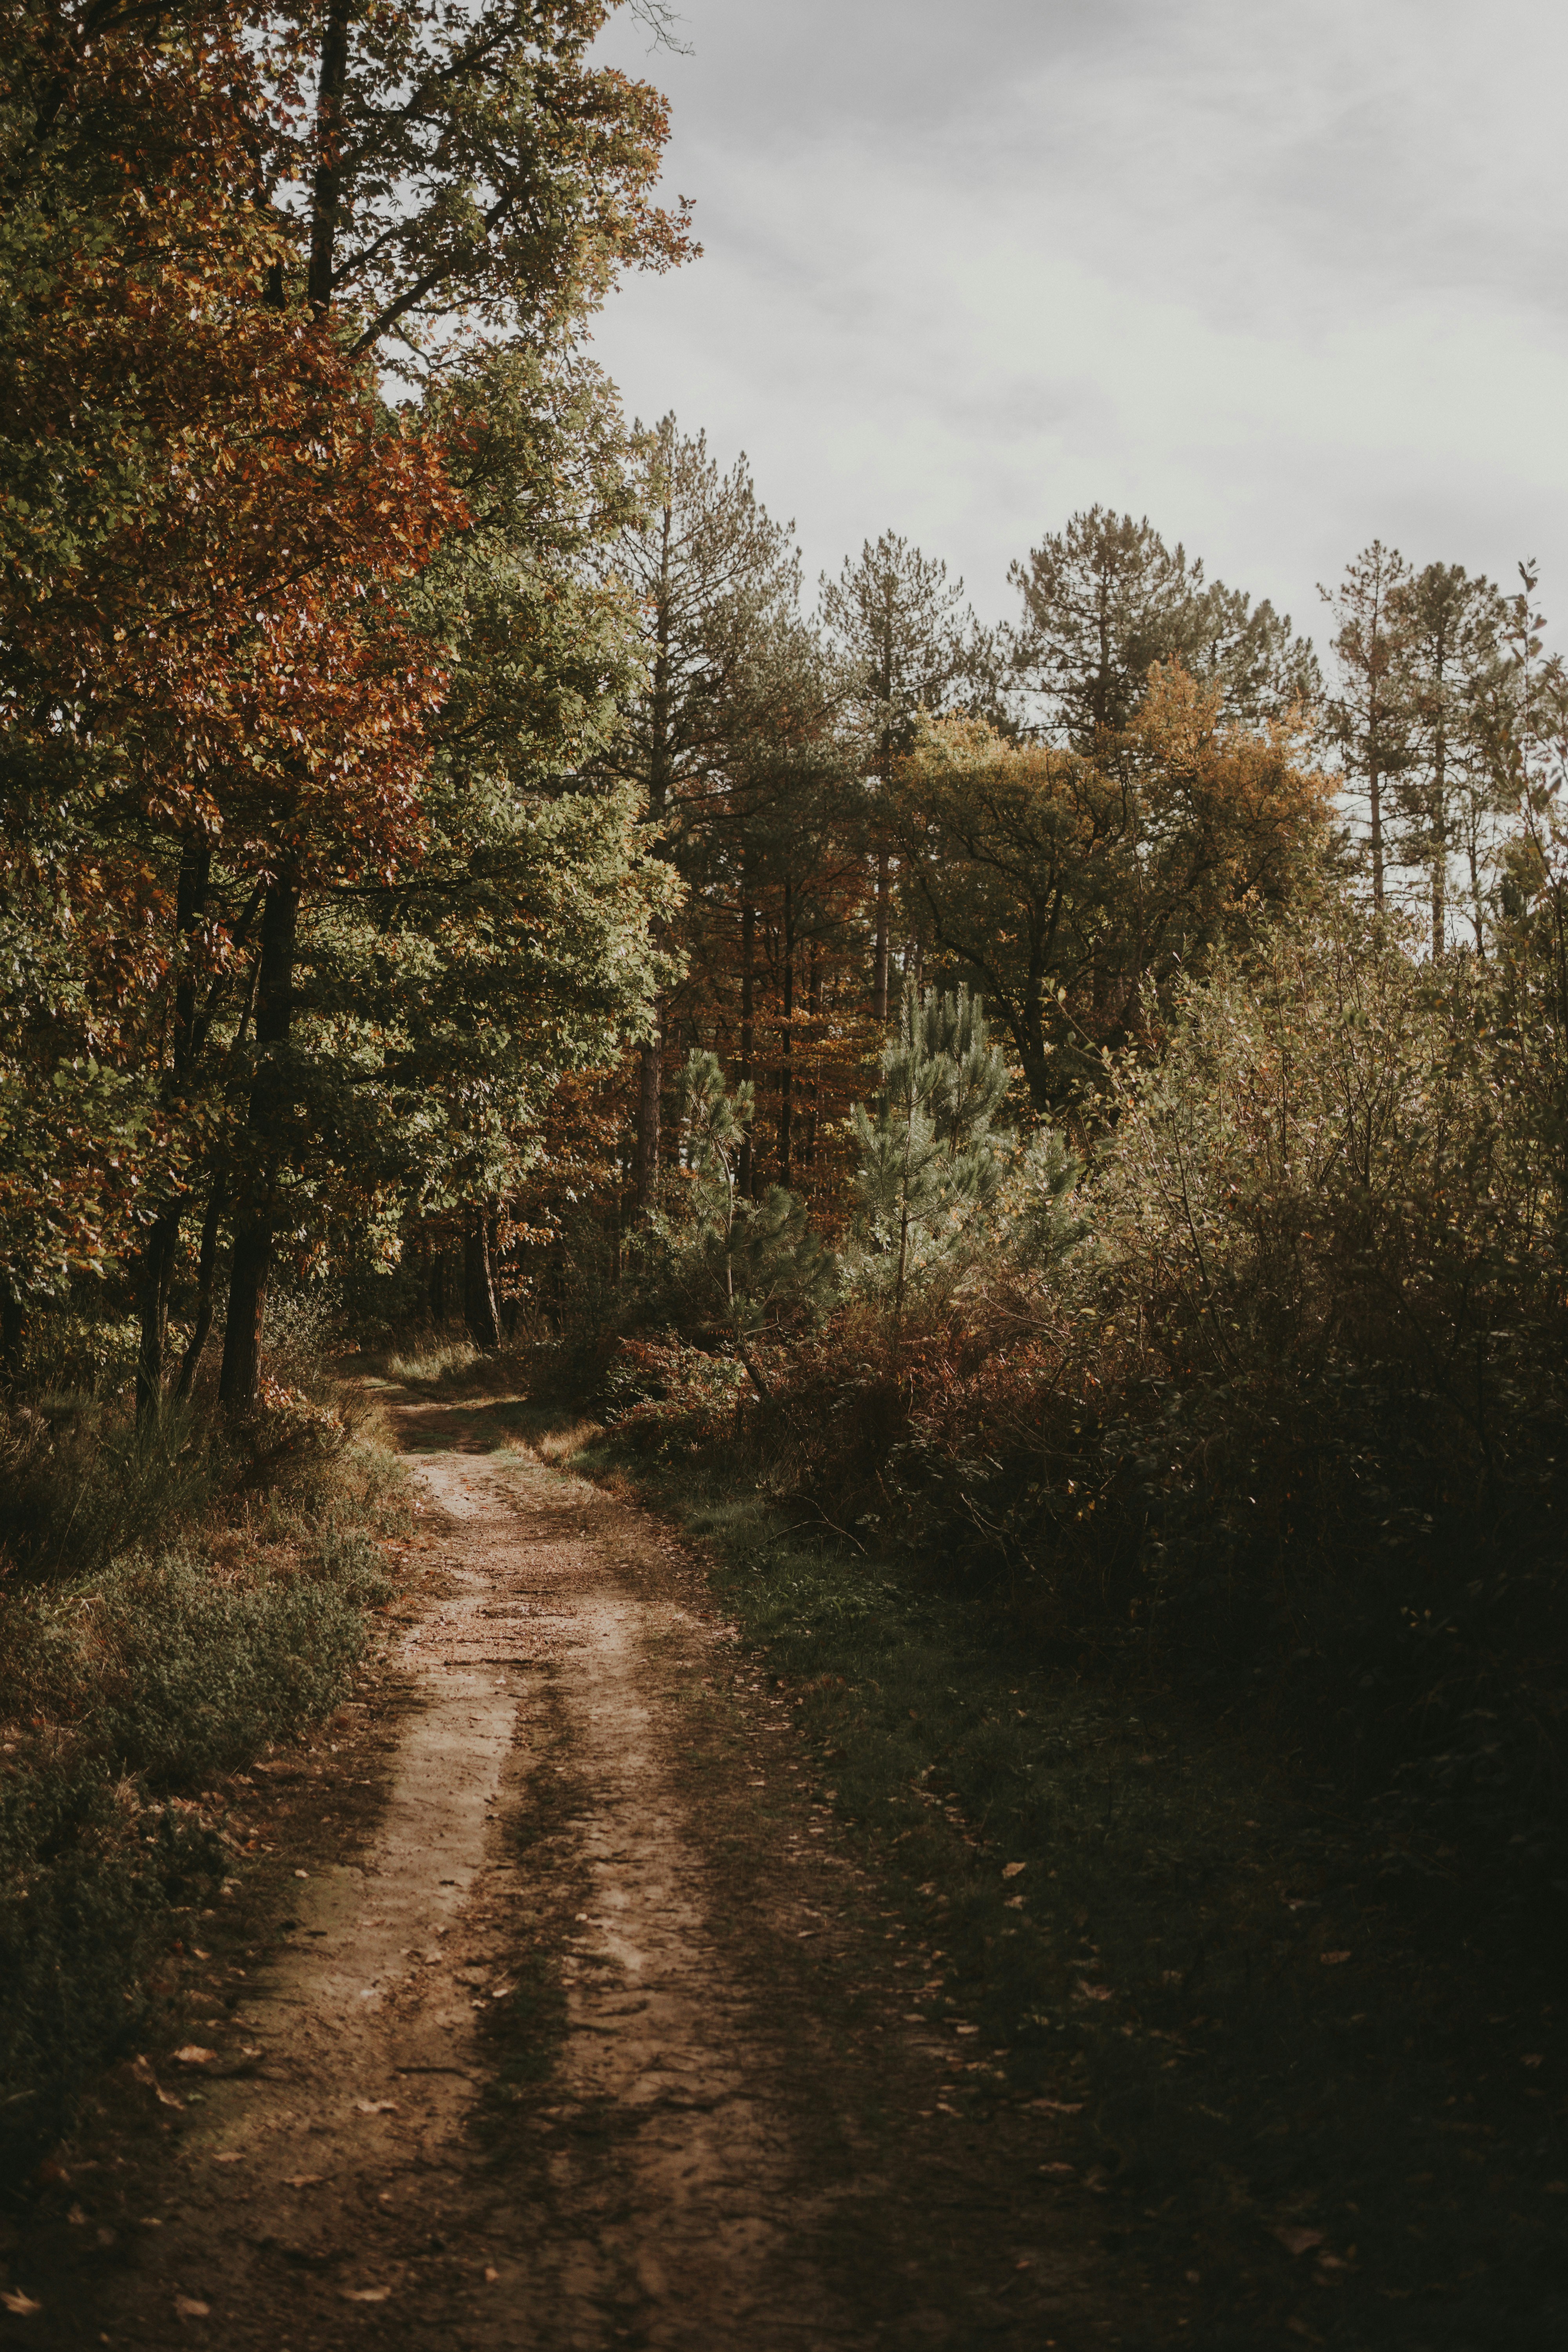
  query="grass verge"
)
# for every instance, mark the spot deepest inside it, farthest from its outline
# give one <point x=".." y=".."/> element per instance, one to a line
<point x="1317" y="2089"/>
<point x="127" y="1688"/>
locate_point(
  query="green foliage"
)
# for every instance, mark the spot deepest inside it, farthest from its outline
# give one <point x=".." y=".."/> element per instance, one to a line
<point x="1063" y="883"/>
<point x="751" y="1267"/>
<point x="1043" y="1222"/>
<point x="929" y="1156"/>
<point x="1105" y="600"/>
<point x="79" y="1487"/>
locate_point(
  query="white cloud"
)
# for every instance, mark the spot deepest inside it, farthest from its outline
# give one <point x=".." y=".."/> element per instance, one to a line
<point x="1285" y="279"/>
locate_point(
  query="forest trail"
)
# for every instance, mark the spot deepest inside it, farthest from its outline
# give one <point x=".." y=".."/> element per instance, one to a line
<point x="601" y="2039"/>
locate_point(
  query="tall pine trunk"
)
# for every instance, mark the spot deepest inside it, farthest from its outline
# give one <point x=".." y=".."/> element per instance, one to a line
<point x="810" y="1118"/>
<point x="255" y="1226"/>
<point x="746" y="1174"/>
<point x="650" y="1083"/>
<point x="161" y="1245"/>
<point x="786" y="1056"/>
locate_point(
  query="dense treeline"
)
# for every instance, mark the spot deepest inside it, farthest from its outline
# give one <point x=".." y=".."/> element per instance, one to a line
<point x="1090" y="1088"/>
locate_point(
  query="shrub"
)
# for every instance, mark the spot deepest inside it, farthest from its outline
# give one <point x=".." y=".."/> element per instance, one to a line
<point x="122" y="1692"/>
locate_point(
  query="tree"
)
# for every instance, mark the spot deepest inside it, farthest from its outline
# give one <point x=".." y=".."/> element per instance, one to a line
<point x="206" y="510"/>
<point x="905" y="645"/>
<point x="1105" y="599"/>
<point x="1445" y="624"/>
<point x="755" y="1266"/>
<point x="260" y="211"/>
<point x="712" y="576"/>
<point x="1369" y="718"/>
<point x="457" y="175"/>
<point x="929" y="1157"/>
<point x="1064" y="885"/>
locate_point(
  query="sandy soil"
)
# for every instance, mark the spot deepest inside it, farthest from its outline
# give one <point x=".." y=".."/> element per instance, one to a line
<point x="597" y="2037"/>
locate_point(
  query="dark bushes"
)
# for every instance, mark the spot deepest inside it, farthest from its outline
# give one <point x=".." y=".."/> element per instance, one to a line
<point x="1283" y="1426"/>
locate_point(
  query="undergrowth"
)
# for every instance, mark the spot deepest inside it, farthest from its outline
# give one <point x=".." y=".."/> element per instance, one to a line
<point x="1256" y="2025"/>
<point x="172" y="1604"/>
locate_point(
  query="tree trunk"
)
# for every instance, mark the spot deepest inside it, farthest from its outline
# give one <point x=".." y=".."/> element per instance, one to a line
<point x="253" y="1232"/>
<point x="158" y="1254"/>
<point x="787" y="1058"/>
<point x="1439" y="847"/>
<point x="650" y="1080"/>
<point x="746" y="1174"/>
<point x="12" y="1318"/>
<point x="478" y="1282"/>
<point x="879" y="969"/>
<point x="1374" y="799"/>
<point x="205" y="1266"/>
<point x="813" y="999"/>
<point x="327" y="191"/>
<point x="163" y="1241"/>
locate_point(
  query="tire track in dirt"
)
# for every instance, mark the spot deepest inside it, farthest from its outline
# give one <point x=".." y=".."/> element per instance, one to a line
<point x="601" y="2043"/>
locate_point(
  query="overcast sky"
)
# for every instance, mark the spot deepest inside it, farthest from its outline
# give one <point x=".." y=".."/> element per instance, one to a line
<point x="1284" y="278"/>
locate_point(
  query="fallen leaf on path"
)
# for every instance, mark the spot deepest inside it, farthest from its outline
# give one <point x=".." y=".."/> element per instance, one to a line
<point x="21" y="2305"/>
<point x="966" y="2029"/>
<point x="366" y="2294"/>
<point x="229" y="2156"/>
<point x="143" y="2074"/>
<point x="1333" y="1960"/>
<point x="376" y="2106"/>
<point x="193" y="2055"/>
<point x="77" y="2216"/>
<point x="301" y="1874"/>
<point x="1297" y="2242"/>
<point x="1057" y="2106"/>
<point x="302" y="2180"/>
<point x="187" y="2307"/>
<point x="1012" y="1869"/>
<point x="1057" y="2171"/>
<point x="1094" y="1992"/>
<point x="490" y="2275"/>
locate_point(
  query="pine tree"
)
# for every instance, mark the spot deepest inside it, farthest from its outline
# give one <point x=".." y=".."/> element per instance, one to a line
<point x="1446" y="626"/>
<point x="1105" y="599"/>
<point x="1370" y="716"/>
<point x="714" y="577"/>
<point x="929" y="1155"/>
<point x="906" y="643"/>
<point x="755" y="1266"/>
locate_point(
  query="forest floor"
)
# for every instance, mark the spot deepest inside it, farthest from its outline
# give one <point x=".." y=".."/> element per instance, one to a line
<point x="557" y="2010"/>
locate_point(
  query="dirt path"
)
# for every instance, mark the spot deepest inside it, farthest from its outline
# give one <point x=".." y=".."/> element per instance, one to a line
<point x="601" y="2040"/>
